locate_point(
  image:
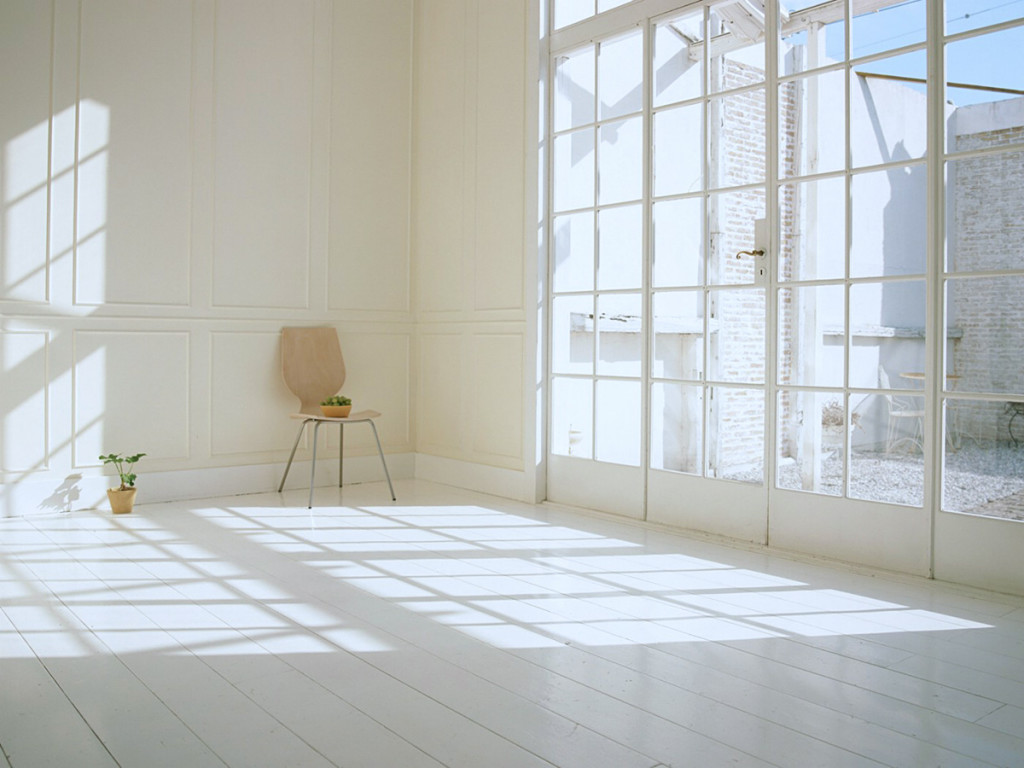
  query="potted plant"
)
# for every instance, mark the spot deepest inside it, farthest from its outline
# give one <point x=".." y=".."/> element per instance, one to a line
<point x="336" y="406"/>
<point x="122" y="498"/>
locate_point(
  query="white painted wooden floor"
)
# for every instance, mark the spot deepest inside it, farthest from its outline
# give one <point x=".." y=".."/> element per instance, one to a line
<point x="457" y="629"/>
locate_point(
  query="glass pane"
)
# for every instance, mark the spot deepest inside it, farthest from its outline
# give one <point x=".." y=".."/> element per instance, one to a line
<point x="574" y="252"/>
<point x="574" y="170"/>
<point x="574" y="90"/>
<point x="737" y="30"/>
<point x="736" y="434"/>
<point x="572" y="334"/>
<point x="887" y="110"/>
<point x="964" y="15"/>
<point x="679" y="242"/>
<point x="736" y="328"/>
<point x="986" y="321"/>
<point x="894" y="477"/>
<point x="986" y="206"/>
<point x="620" y="73"/>
<point x="570" y="11"/>
<point x="679" y="59"/>
<point x="888" y="335"/>
<point x="739" y="123"/>
<point x="886" y="439"/>
<point x="981" y="70"/>
<point x="813" y="35"/>
<point x="888" y="226"/>
<point x="983" y="470"/>
<point x="620" y="238"/>
<point x="572" y="413"/>
<point x="607" y="5"/>
<point x="812" y="216"/>
<point x="617" y="416"/>
<point x="731" y="218"/>
<point x="811" y="337"/>
<point x="679" y="150"/>
<point x="621" y="161"/>
<point x="677" y="416"/>
<point x="876" y="29"/>
<point x="678" y="335"/>
<point x="812" y="130"/>
<point x="619" y="328"/>
<point x="811" y="447"/>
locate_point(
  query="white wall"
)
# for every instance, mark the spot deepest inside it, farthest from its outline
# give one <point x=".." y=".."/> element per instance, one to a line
<point x="473" y="195"/>
<point x="179" y="180"/>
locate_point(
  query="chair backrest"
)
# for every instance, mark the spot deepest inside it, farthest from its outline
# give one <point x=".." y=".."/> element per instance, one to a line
<point x="312" y="365"/>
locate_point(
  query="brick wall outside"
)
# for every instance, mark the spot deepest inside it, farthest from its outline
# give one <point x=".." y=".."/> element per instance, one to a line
<point x="738" y="323"/>
<point x="987" y="234"/>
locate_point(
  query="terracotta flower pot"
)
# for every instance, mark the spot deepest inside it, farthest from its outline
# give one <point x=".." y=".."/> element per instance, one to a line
<point x="121" y="502"/>
<point x="336" y="411"/>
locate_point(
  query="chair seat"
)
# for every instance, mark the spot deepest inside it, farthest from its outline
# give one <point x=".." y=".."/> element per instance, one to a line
<point x="352" y="417"/>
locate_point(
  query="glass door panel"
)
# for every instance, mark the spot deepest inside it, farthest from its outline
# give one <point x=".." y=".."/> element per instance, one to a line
<point x="677" y="418"/>
<point x="620" y="238"/>
<point x="572" y="423"/>
<point x="812" y="220"/>
<point x="811" y="441"/>
<point x="876" y="30"/>
<point x="575" y="174"/>
<point x="678" y="170"/>
<point x="679" y="242"/>
<point x="708" y="299"/>
<point x="573" y="252"/>
<point x="683" y="247"/>
<point x="679" y="59"/>
<point x="888" y="219"/>
<point x="597" y="276"/>
<point x="812" y="124"/>
<point x="811" y="322"/>
<point x="888" y="110"/>
<point x="812" y="34"/>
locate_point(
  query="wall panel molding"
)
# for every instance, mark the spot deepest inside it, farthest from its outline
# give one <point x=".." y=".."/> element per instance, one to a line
<point x="25" y="123"/>
<point x="134" y="154"/>
<point x="249" y="402"/>
<point x="130" y="394"/>
<point x="24" y="443"/>
<point x="263" y="134"/>
<point x="497" y="398"/>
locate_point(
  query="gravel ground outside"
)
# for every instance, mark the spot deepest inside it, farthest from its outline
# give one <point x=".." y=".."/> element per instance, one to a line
<point x="979" y="479"/>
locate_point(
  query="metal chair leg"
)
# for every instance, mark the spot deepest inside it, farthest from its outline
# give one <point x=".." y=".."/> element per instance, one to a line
<point x="298" y="437"/>
<point x="312" y="468"/>
<point x="381" y="452"/>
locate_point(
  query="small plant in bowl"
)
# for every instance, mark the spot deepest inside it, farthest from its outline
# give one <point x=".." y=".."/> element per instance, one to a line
<point x="122" y="498"/>
<point x="336" y="407"/>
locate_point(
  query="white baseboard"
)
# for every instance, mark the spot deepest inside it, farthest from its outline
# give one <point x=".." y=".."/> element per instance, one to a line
<point x="46" y="495"/>
<point x="507" y="483"/>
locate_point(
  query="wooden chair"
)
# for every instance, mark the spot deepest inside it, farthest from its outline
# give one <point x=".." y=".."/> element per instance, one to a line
<point x="314" y="370"/>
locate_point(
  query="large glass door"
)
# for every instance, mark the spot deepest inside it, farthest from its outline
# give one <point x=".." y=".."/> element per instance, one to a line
<point x="598" y="360"/>
<point x="658" y="281"/>
<point x="709" y="276"/>
<point x="784" y="271"/>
